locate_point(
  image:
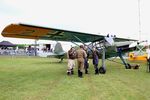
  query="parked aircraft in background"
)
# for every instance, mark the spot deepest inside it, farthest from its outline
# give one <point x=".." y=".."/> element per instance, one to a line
<point x="109" y="46"/>
<point x="140" y="53"/>
<point x="58" y="52"/>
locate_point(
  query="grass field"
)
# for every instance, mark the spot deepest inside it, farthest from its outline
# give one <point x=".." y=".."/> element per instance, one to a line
<point x="33" y="78"/>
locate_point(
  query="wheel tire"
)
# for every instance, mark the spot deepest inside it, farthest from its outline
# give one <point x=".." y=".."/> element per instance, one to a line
<point x="102" y="70"/>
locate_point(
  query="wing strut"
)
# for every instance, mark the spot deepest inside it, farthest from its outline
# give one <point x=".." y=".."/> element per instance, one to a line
<point x="81" y="42"/>
<point x="79" y="39"/>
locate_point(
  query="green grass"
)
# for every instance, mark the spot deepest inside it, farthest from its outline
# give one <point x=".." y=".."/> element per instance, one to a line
<point x="33" y="78"/>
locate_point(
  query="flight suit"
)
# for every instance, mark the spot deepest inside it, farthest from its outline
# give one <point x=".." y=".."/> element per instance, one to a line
<point x="81" y="54"/>
<point x="86" y="62"/>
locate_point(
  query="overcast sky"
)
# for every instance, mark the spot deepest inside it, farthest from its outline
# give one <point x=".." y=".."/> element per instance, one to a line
<point x="119" y="17"/>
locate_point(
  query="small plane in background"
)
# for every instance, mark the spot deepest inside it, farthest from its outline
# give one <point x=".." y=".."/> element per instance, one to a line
<point x="140" y="53"/>
<point x="58" y="52"/>
<point x="109" y="46"/>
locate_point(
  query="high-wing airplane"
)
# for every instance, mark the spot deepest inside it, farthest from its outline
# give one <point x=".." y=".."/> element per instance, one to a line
<point x="109" y="46"/>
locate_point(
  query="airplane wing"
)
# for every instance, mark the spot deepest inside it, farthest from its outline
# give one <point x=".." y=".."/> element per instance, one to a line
<point x="45" y="33"/>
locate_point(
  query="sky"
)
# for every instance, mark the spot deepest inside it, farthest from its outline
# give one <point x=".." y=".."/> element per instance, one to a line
<point x="117" y="17"/>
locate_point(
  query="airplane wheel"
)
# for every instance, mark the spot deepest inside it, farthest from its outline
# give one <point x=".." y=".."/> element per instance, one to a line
<point x="102" y="70"/>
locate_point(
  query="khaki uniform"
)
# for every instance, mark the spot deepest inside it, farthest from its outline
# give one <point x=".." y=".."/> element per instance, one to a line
<point x="81" y="54"/>
<point x="71" y="55"/>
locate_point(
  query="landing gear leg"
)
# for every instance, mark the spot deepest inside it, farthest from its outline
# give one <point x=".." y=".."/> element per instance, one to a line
<point x="127" y="65"/>
<point x="102" y="70"/>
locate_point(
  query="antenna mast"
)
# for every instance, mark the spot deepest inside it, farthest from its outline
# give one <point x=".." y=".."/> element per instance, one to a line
<point x="139" y="14"/>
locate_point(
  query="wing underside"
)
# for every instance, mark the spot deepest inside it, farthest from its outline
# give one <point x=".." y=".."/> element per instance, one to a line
<point x="38" y="32"/>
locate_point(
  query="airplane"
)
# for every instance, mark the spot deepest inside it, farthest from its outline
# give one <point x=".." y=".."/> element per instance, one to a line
<point x="140" y="53"/>
<point x="109" y="46"/>
<point x="58" y="52"/>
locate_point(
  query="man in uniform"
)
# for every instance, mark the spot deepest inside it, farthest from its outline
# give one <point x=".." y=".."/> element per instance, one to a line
<point x="95" y="60"/>
<point x="86" y="61"/>
<point x="81" y="55"/>
<point x="71" y="55"/>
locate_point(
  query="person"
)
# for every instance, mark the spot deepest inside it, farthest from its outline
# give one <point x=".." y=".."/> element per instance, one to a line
<point x="81" y="54"/>
<point x="71" y="55"/>
<point x="148" y="58"/>
<point x="95" y="60"/>
<point x="86" y="61"/>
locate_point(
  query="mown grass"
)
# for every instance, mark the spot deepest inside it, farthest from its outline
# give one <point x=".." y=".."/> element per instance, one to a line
<point x="33" y="78"/>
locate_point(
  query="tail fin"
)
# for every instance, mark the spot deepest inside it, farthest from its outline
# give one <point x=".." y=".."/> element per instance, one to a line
<point x="58" y="48"/>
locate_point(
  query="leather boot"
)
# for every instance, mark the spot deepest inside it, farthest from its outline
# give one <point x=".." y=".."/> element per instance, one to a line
<point x="78" y="73"/>
<point x="81" y="75"/>
<point x="72" y="72"/>
<point x="86" y="71"/>
<point x="96" y="71"/>
<point x="68" y="73"/>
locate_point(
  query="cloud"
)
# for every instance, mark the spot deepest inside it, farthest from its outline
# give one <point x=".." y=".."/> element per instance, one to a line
<point x="8" y="9"/>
